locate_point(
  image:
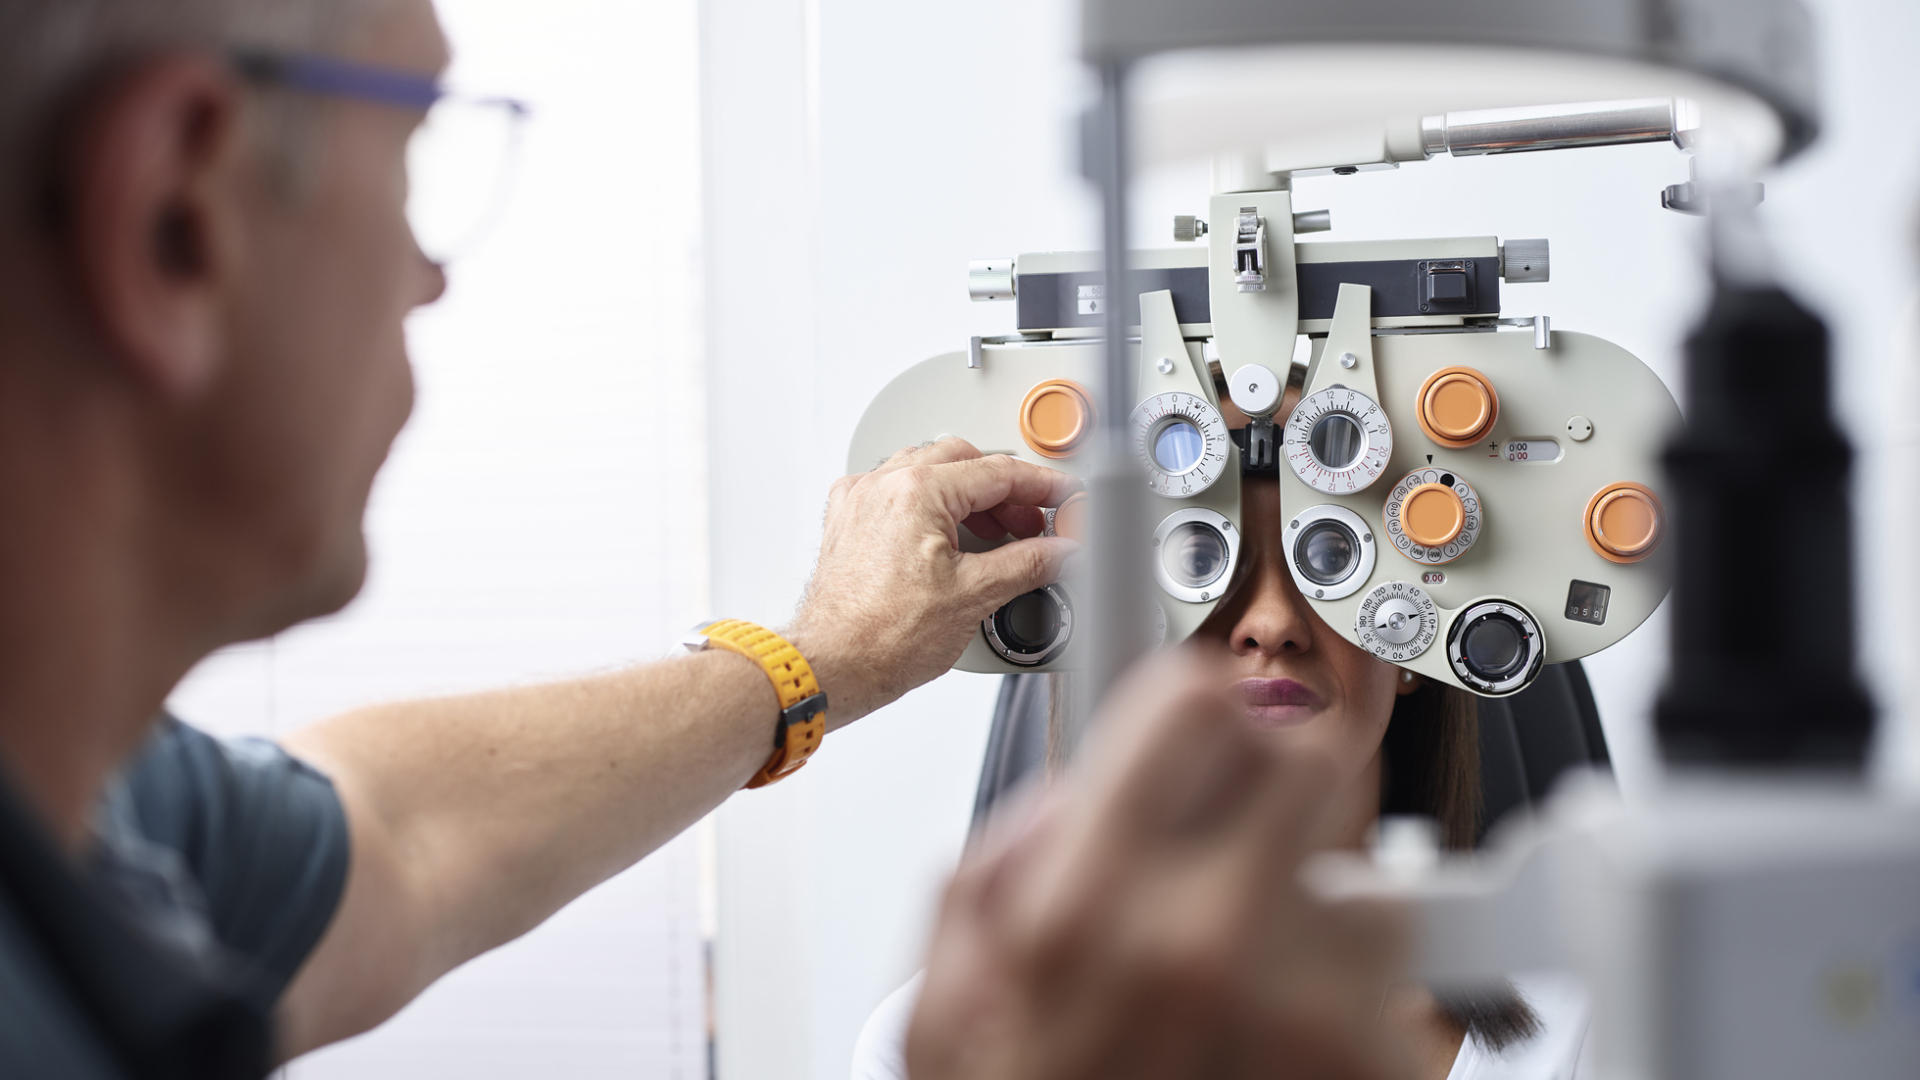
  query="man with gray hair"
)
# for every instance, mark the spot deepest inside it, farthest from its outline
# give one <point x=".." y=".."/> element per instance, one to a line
<point x="204" y="268"/>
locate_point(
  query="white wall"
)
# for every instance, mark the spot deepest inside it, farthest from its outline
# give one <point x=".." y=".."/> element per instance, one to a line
<point x="860" y="152"/>
<point x="543" y="513"/>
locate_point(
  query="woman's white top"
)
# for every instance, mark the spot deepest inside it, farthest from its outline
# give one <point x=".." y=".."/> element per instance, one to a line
<point x="1557" y="1052"/>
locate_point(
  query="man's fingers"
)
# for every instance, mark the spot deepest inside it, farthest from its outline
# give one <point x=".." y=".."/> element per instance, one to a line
<point x="1022" y="521"/>
<point x="938" y="452"/>
<point x="968" y="487"/>
<point x="991" y="578"/>
<point x="985" y="525"/>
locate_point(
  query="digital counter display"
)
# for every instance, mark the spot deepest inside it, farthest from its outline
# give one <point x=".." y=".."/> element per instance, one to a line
<point x="1587" y="602"/>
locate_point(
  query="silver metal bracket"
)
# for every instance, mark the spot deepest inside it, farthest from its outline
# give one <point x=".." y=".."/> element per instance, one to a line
<point x="1250" y="251"/>
<point x="1542" y="329"/>
<point x="1261" y="456"/>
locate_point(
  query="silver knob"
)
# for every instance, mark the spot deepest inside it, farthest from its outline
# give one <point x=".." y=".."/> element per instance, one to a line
<point x="991" y="279"/>
<point x="1187" y="227"/>
<point x="1255" y="390"/>
<point x="1524" y="261"/>
<point x="1398" y="621"/>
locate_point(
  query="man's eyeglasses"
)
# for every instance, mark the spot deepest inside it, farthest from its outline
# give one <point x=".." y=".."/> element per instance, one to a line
<point x="461" y="160"/>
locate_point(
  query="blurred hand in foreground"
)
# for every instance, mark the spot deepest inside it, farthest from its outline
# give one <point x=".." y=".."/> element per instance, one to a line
<point x="1145" y="919"/>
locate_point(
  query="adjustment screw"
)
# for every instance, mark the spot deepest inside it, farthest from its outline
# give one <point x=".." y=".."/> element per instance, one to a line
<point x="1347" y="359"/>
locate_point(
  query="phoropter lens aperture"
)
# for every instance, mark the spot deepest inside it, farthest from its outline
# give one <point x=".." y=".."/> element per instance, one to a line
<point x="1177" y="446"/>
<point x="1194" y="554"/>
<point x="1029" y="621"/>
<point x="1326" y="552"/>
<point x="1336" y="441"/>
<point x="1031" y="628"/>
<point x="1494" y="647"/>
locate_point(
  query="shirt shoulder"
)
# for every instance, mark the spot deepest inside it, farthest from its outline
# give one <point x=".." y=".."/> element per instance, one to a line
<point x="43" y="1031"/>
<point x="231" y="837"/>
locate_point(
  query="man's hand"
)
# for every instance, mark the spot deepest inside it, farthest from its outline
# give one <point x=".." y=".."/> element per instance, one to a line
<point x="1146" y="922"/>
<point x="894" y="600"/>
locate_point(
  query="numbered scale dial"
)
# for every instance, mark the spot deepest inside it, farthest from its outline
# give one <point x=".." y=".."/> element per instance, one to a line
<point x="1182" y="440"/>
<point x="1433" y="516"/>
<point x="1338" y="441"/>
<point x="1397" y="621"/>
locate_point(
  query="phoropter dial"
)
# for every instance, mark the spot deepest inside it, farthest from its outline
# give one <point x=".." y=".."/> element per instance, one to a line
<point x="1182" y="440"/>
<point x="1433" y="516"/>
<point x="1397" y="621"/>
<point x="1338" y="441"/>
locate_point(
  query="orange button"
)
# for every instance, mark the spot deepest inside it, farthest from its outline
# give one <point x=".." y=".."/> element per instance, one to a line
<point x="1456" y="406"/>
<point x="1070" y="520"/>
<point x="1432" y="515"/>
<point x="1056" y="417"/>
<point x="1624" y="522"/>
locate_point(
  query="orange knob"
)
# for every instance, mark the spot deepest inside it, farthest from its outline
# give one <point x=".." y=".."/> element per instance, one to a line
<point x="1624" y="522"/>
<point x="1432" y="515"/>
<point x="1456" y="406"/>
<point x="1070" y="520"/>
<point x="1056" y="417"/>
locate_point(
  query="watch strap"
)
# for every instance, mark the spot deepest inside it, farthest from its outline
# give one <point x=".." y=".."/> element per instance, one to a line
<point x="803" y="707"/>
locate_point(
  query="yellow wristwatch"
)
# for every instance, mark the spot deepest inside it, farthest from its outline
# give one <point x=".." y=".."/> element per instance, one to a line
<point x="803" y="708"/>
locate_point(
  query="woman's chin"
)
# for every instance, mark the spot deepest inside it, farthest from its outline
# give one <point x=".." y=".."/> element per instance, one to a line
<point x="1268" y="717"/>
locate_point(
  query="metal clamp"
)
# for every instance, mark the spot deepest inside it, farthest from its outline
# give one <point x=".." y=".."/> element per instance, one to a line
<point x="1542" y="329"/>
<point x="1250" y="251"/>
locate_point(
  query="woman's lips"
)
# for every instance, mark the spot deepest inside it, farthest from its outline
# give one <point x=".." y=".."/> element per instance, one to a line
<point x="1279" y="702"/>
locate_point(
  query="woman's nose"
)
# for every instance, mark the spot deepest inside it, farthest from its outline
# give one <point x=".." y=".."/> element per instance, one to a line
<point x="1275" y="620"/>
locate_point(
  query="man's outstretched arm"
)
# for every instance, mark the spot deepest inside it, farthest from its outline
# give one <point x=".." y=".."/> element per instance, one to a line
<point x="475" y="818"/>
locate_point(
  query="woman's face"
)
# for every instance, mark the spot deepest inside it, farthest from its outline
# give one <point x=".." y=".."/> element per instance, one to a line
<point x="1299" y="678"/>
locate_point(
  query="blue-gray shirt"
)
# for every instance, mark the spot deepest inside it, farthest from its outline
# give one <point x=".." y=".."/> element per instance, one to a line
<point x="217" y="867"/>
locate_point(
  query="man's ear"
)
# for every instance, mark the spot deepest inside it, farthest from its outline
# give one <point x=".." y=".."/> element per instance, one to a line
<point x="1406" y="682"/>
<point x="149" y="179"/>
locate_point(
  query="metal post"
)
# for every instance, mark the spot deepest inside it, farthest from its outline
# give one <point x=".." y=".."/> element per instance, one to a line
<point x="1115" y="598"/>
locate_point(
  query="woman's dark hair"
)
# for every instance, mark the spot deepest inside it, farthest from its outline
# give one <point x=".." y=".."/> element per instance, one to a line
<point x="1430" y="765"/>
<point x="1430" y="761"/>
